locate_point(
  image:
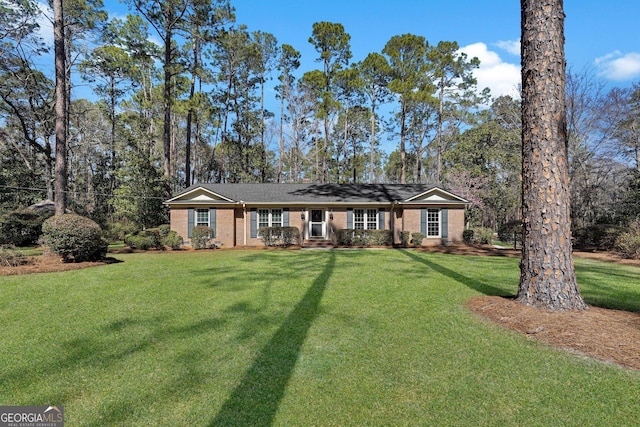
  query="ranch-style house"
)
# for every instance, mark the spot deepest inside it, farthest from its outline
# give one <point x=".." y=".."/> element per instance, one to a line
<point x="236" y="212"/>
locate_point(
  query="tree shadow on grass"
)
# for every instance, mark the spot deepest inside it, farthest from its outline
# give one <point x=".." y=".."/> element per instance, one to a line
<point x="255" y="401"/>
<point x="608" y="287"/>
<point x="460" y="278"/>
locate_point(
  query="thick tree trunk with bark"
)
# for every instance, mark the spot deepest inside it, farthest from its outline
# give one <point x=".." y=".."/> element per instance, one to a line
<point x="547" y="277"/>
<point x="61" y="107"/>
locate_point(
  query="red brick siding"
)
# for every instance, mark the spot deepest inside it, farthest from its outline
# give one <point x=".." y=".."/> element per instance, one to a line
<point x="231" y="225"/>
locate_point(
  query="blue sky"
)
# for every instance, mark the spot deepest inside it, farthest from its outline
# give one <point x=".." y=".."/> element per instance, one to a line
<point x="600" y="35"/>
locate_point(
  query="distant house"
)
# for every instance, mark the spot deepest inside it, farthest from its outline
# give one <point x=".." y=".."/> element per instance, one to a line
<point x="235" y="212"/>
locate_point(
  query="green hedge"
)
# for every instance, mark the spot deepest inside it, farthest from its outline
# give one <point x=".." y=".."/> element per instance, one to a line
<point x="478" y="235"/>
<point x="172" y="239"/>
<point x="143" y="239"/>
<point x="154" y="238"/>
<point x="417" y="238"/>
<point x="279" y="236"/>
<point x="405" y="238"/>
<point x="74" y="237"/>
<point x="22" y="228"/>
<point x="351" y="237"/>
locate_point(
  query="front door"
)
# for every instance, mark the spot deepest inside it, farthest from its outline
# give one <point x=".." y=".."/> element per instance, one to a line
<point x="317" y="225"/>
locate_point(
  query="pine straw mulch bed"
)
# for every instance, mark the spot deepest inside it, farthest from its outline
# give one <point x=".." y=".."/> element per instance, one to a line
<point x="605" y="334"/>
<point x="609" y="335"/>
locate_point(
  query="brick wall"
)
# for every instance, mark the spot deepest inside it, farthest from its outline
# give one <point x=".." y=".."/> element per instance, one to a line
<point x="225" y="226"/>
<point x="179" y="220"/>
<point x="231" y="226"/>
<point x="411" y="221"/>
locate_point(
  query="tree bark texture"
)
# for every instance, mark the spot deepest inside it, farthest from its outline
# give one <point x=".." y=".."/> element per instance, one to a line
<point x="547" y="276"/>
<point x="61" y="107"/>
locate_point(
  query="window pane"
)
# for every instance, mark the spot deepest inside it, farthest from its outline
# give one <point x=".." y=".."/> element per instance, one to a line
<point x="433" y="222"/>
<point x="263" y="218"/>
<point x="276" y="217"/>
<point x="202" y="217"/>
<point x="372" y="219"/>
<point x="358" y="219"/>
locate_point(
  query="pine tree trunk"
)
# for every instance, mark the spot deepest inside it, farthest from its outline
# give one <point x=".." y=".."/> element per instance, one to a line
<point x="547" y="277"/>
<point x="166" y="130"/>
<point x="61" y="107"/>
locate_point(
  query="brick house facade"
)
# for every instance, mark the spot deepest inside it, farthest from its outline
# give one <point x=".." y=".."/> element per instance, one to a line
<point x="235" y="212"/>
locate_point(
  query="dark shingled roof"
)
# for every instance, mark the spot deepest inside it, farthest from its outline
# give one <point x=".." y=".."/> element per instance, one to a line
<point x="315" y="193"/>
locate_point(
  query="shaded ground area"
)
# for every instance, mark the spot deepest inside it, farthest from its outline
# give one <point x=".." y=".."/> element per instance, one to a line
<point x="609" y="335"/>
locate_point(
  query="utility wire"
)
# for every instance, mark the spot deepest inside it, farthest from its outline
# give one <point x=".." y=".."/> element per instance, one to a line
<point x="85" y="192"/>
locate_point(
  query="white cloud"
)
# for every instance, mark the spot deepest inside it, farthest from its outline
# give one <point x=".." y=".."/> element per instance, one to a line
<point x="511" y="46"/>
<point x="618" y="66"/>
<point x="501" y="77"/>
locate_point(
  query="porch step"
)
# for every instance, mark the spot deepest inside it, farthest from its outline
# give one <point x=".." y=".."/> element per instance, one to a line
<point x="317" y="244"/>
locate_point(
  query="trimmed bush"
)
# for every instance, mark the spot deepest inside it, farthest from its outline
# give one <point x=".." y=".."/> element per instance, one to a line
<point x="74" y="237"/>
<point x="164" y="230"/>
<point x="597" y="236"/>
<point x="173" y="240"/>
<point x="279" y="236"/>
<point x="144" y="239"/>
<point x="201" y="237"/>
<point x="351" y="237"/>
<point x="628" y="244"/>
<point x="417" y="238"/>
<point x="477" y="236"/>
<point x="22" y="228"/>
<point x="405" y="238"/>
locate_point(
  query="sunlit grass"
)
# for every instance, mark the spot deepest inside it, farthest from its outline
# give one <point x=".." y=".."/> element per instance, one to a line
<point x="300" y="338"/>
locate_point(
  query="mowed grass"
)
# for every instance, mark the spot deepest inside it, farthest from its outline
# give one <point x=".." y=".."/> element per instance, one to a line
<point x="300" y="338"/>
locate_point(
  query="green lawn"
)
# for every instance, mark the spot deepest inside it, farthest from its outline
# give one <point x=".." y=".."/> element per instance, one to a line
<point x="300" y="338"/>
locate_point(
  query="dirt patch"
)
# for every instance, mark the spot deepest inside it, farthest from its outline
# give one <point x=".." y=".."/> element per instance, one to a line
<point x="609" y="335"/>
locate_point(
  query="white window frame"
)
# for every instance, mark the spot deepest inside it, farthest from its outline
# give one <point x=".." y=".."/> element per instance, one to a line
<point x="365" y="219"/>
<point x="270" y="218"/>
<point x="434" y="219"/>
<point x="202" y="218"/>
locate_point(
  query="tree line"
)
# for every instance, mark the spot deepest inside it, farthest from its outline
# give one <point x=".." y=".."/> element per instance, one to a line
<point x="195" y="108"/>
